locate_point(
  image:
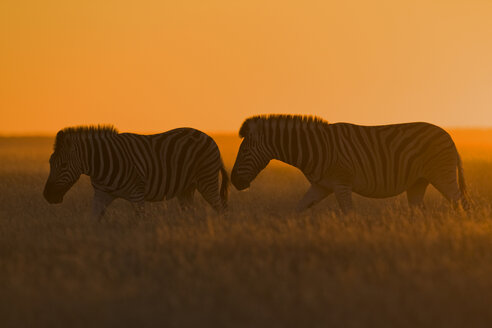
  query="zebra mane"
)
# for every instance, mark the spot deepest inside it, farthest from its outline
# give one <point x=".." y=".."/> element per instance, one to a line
<point x="83" y="130"/>
<point x="245" y="127"/>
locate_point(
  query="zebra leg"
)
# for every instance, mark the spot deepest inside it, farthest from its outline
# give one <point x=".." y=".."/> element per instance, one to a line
<point x="100" y="202"/>
<point x="343" y="193"/>
<point x="449" y="189"/>
<point x="415" y="194"/>
<point x="208" y="187"/>
<point x="312" y="197"/>
<point x="465" y="203"/>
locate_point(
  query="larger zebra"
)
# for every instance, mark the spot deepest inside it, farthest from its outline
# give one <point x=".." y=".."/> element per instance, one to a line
<point x="341" y="158"/>
<point x="137" y="167"/>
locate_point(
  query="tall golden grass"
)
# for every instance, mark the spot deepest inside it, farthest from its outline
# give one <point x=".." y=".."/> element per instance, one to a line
<point x="261" y="265"/>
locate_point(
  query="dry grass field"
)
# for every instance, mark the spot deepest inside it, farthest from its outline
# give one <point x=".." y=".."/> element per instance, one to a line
<point x="260" y="266"/>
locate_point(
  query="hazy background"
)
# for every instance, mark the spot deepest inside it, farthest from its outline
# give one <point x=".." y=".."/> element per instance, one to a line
<point x="155" y="65"/>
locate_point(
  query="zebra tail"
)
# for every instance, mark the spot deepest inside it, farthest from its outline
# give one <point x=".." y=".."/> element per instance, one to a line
<point x="465" y="199"/>
<point x="224" y="187"/>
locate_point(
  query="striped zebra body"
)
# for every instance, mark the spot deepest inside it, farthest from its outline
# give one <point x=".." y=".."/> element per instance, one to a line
<point x="373" y="161"/>
<point x="137" y="167"/>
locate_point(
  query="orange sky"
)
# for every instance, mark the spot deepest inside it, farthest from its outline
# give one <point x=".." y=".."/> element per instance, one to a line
<point x="151" y="66"/>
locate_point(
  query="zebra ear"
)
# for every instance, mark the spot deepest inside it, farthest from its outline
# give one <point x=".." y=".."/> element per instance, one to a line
<point x="251" y="131"/>
<point x="64" y="140"/>
<point x="59" y="140"/>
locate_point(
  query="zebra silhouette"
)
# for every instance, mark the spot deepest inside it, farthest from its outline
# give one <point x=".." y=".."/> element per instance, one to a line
<point x="136" y="167"/>
<point x="341" y="158"/>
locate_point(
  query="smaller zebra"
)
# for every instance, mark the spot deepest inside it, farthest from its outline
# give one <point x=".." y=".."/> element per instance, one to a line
<point x="137" y="168"/>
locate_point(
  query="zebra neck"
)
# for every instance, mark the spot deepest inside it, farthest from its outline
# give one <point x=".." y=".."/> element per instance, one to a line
<point x="305" y="147"/>
<point x="287" y="159"/>
<point x="288" y="150"/>
<point x="99" y="157"/>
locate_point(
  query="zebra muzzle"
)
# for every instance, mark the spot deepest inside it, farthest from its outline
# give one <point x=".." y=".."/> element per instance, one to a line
<point x="240" y="184"/>
<point x="52" y="195"/>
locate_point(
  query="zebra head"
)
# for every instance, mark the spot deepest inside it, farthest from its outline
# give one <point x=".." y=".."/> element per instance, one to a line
<point x="64" y="169"/>
<point x="253" y="155"/>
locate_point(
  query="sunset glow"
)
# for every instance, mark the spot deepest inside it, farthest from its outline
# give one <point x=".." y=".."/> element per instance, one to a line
<point x="155" y="65"/>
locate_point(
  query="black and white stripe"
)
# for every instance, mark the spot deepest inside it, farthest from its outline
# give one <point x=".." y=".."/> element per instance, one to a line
<point x="137" y="167"/>
<point x="341" y="158"/>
